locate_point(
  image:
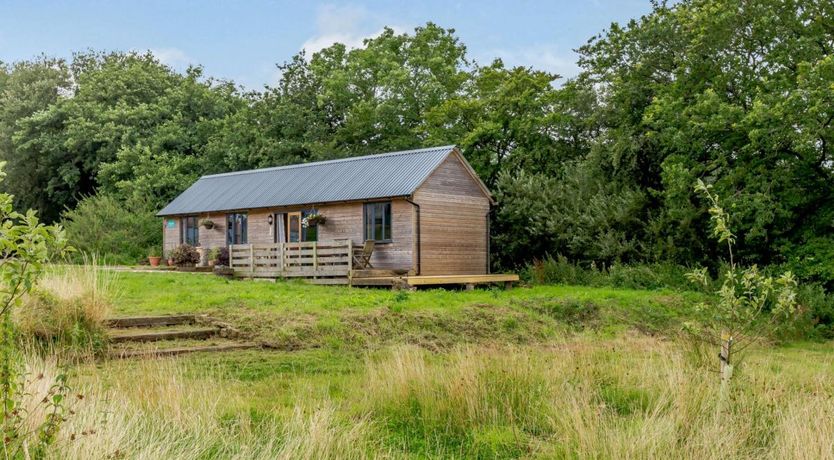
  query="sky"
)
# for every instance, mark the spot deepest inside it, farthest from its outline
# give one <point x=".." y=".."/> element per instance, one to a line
<point x="243" y="40"/>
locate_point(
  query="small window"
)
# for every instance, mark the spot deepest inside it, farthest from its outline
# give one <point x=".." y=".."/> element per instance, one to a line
<point x="236" y="231"/>
<point x="190" y="232"/>
<point x="378" y="221"/>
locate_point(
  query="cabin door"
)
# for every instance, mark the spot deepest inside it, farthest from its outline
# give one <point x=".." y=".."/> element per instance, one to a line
<point x="294" y="227"/>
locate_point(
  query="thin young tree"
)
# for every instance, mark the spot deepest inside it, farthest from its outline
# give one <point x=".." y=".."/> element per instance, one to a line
<point x="26" y="246"/>
<point x="749" y="305"/>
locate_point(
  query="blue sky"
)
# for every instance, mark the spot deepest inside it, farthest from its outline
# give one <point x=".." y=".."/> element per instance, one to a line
<point x="243" y="41"/>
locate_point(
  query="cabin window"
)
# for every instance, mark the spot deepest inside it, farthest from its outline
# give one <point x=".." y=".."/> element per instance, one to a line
<point x="189" y="231"/>
<point x="236" y="228"/>
<point x="378" y="221"/>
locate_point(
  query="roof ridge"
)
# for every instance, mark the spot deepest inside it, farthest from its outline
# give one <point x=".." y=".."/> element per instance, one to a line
<point x="337" y="160"/>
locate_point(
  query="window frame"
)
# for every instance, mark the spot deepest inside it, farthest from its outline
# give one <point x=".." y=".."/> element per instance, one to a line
<point x="231" y="228"/>
<point x="369" y="210"/>
<point x="185" y="227"/>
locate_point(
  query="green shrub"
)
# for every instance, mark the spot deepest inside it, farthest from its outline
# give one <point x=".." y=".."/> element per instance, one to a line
<point x="819" y="311"/>
<point x="561" y="271"/>
<point x="117" y="232"/>
<point x="813" y="261"/>
<point x="639" y="276"/>
<point x="653" y="276"/>
<point x="185" y="255"/>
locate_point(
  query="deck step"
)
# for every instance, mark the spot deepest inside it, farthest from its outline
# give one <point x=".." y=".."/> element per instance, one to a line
<point x="146" y="336"/>
<point x="181" y="350"/>
<point x="150" y="321"/>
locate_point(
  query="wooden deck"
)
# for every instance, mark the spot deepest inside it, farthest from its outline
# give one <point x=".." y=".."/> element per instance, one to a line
<point x="332" y="263"/>
<point x="435" y="280"/>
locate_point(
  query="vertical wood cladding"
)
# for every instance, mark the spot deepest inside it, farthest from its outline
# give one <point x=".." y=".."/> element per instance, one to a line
<point x="453" y="222"/>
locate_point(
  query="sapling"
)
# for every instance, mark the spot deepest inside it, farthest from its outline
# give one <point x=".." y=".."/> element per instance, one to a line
<point x="26" y="245"/>
<point x="749" y="305"/>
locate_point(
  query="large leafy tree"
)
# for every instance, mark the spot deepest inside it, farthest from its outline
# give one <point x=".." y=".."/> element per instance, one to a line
<point x="119" y="122"/>
<point x="734" y="90"/>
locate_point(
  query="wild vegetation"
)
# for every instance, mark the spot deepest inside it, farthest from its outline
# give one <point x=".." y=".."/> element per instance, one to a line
<point x="548" y="371"/>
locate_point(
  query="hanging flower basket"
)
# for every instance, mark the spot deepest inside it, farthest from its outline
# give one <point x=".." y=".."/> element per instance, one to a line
<point x="312" y="220"/>
<point x="207" y="224"/>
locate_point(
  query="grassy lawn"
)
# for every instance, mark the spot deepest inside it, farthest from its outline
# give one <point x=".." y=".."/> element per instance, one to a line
<point x="539" y="372"/>
<point x="296" y="315"/>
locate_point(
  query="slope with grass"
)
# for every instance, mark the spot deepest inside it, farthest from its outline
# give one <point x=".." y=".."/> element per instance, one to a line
<point x="539" y="372"/>
<point x="295" y="315"/>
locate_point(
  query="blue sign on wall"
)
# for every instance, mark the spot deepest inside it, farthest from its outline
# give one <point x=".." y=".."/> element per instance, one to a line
<point x="172" y="223"/>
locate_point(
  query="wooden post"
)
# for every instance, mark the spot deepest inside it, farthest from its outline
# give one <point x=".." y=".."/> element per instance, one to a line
<point x="252" y="260"/>
<point x="725" y="356"/>
<point x="470" y="287"/>
<point x="350" y="261"/>
<point x="281" y="256"/>
<point x="315" y="260"/>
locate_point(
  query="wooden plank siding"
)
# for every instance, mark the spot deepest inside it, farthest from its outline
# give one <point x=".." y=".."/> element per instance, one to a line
<point x="453" y="222"/>
<point x="344" y="221"/>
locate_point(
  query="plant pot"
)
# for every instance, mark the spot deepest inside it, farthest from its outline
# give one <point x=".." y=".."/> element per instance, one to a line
<point x="170" y="262"/>
<point x="154" y="260"/>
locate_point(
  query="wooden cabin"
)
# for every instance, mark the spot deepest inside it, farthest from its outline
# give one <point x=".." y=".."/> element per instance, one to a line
<point x="426" y="211"/>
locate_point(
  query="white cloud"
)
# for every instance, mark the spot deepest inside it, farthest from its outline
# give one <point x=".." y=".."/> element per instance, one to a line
<point x="172" y="57"/>
<point x="541" y="57"/>
<point x="349" y="25"/>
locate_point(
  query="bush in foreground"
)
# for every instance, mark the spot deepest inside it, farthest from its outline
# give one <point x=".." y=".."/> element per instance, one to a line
<point x="68" y="308"/>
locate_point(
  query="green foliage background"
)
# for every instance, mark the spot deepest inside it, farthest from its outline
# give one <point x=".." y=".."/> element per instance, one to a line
<point x="598" y="168"/>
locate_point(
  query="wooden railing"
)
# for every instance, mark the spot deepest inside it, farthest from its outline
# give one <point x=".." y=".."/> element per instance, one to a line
<point x="307" y="259"/>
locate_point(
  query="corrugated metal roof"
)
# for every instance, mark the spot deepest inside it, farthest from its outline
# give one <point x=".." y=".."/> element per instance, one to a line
<point x="359" y="178"/>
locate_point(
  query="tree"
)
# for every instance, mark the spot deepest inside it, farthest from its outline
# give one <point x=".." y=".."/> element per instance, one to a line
<point x="727" y="89"/>
<point x="749" y="304"/>
<point x="27" y="90"/>
<point x="26" y="246"/>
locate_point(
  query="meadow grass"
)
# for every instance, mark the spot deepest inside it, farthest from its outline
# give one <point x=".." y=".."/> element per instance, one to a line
<point x="542" y="372"/>
<point x="631" y="396"/>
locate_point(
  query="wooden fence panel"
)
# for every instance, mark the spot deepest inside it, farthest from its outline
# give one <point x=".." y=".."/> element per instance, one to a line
<point x="306" y="259"/>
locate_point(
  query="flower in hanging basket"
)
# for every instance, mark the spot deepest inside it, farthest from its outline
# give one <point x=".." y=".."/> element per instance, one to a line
<point x="313" y="219"/>
<point x="207" y="223"/>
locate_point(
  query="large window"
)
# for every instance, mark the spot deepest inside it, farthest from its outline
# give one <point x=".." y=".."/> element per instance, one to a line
<point x="189" y="231"/>
<point x="236" y="228"/>
<point x="378" y="221"/>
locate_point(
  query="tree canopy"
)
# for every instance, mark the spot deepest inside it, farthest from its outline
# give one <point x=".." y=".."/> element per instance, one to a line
<point x="598" y="168"/>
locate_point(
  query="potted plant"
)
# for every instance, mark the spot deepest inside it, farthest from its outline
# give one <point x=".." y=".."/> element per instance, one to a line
<point x="207" y="224"/>
<point x="185" y="255"/>
<point x="213" y="254"/>
<point x="312" y="219"/>
<point x="154" y="256"/>
<point x="169" y="259"/>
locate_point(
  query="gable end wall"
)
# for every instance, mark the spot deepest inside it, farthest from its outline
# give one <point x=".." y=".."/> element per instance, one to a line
<point x="453" y="222"/>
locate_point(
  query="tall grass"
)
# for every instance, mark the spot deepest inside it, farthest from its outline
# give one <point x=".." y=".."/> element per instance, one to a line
<point x="629" y="397"/>
<point x="166" y="413"/>
<point x="620" y="399"/>
<point x="69" y="306"/>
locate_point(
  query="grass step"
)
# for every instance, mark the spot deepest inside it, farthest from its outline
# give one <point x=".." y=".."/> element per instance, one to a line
<point x="173" y="351"/>
<point x="150" y="321"/>
<point x="154" y="336"/>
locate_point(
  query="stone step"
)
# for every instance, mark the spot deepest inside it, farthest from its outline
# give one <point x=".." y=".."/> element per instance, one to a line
<point x="153" y="336"/>
<point x="173" y="351"/>
<point x="151" y="321"/>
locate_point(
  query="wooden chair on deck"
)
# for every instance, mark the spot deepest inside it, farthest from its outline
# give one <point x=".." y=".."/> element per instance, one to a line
<point x="362" y="257"/>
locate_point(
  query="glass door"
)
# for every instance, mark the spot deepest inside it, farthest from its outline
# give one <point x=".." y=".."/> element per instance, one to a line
<point x="293" y="227"/>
